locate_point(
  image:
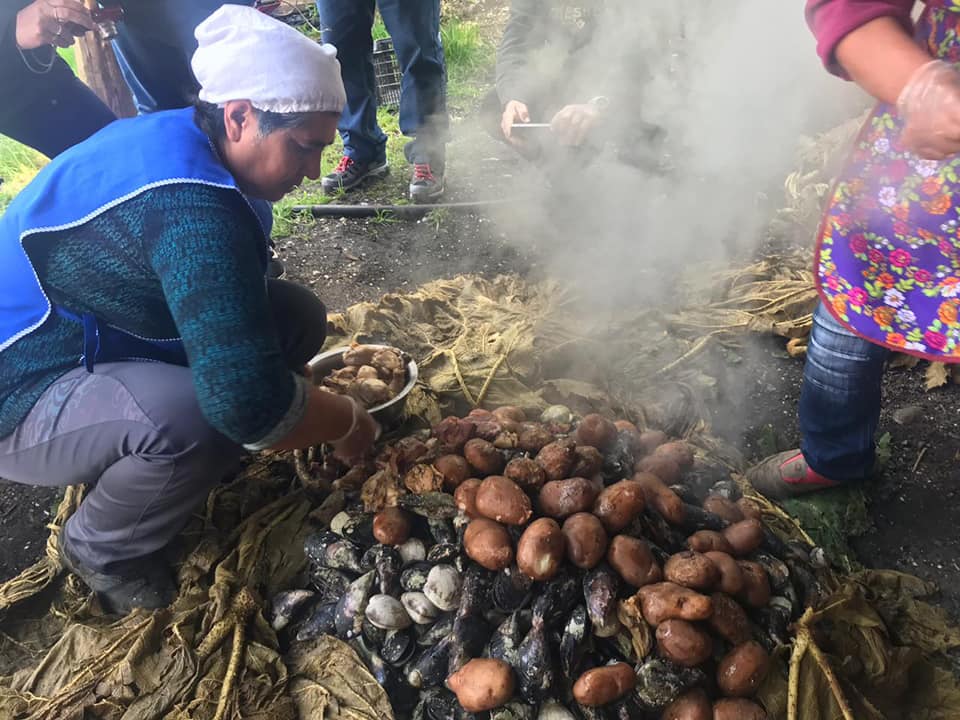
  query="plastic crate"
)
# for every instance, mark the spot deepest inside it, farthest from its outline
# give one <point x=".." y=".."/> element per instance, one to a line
<point x="387" y="73"/>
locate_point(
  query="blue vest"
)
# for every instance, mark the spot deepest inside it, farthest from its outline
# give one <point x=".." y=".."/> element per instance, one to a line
<point x="126" y="158"/>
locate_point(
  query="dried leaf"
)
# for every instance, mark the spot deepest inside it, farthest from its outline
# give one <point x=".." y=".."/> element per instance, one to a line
<point x="423" y="479"/>
<point x="381" y="490"/>
<point x="631" y="617"/>
<point x="797" y="347"/>
<point x="902" y="360"/>
<point x="936" y="375"/>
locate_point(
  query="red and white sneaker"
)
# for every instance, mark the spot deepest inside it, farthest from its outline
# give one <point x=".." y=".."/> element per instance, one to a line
<point x="787" y="475"/>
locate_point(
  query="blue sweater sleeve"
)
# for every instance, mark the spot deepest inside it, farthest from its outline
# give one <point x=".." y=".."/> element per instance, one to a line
<point x="206" y="257"/>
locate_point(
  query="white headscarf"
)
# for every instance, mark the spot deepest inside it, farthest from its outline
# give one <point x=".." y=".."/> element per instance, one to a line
<point x="244" y="54"/>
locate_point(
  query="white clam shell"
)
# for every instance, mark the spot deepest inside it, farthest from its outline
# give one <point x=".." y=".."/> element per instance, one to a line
<point x="419" y="608"/>
<point x="387" y="613"/>
<point x="443" y="587"/>
<point x="413" y="550"/>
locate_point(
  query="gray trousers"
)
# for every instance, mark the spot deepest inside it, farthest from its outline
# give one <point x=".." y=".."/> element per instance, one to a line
<point x="134" y="431"/>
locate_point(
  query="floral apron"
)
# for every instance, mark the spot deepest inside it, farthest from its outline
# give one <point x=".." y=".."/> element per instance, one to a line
<point x="888" y="253"/>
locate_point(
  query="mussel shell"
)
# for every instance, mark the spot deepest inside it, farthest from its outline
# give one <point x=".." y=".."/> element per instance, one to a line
<point x="403" y="697"/>
<point x="627" y="708"/>
<point x="414" y="576"/>
<point x="430" y="668"/>
<point x="473" y="633"/>
<point x="444" y="706"/>
<point x="443" y="531"/>
<point x="512" y="589"/>
<point x="343" y="555"/>
<point x="775" y="619"/>
<point x="600" y="588"/>
<point x="285" y="606"/>
<point x="728" y="489"/>
<point x="777" y="571"/>
<point x="557" y="598"/>
<point x="696" y="518"/>
<point x="351" y="607"/>
<point x="443" y="587"/>
<point x="398" y="646"/>
<point x="413" y="550"/>
<point x="475" y="593"/>
<point x="320" y="621"/>
<point x="505" y="642"/>
<point x="359" y="529"/>
<point x="432" y="634"/>
<point x="534" y="666"/>
<point x="587" y="712"/>
<point x="572" y="646"/>
<point x="430" y="505"/>
<point x="388" y="567"/>
<point x="660" y="682"/>
<point x="387" y="613"/>
<point x="384" y="674"/>
<point x="315" y="546"/>
<point x="330" y="584"/>
<point x="372" y="635"/>
<point x="684" y="492"/>
<point x="514" y="710"/>
<point x="443" y="553"/>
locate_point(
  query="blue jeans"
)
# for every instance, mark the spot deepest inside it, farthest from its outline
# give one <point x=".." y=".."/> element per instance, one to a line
<point x="414" y="26"/>
<point x="840" y="400"/>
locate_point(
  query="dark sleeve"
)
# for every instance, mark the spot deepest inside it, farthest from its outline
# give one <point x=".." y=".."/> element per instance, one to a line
<point x="833" y="20"/>
<point x="518" y="40"/>
<point x="206" y="257"/>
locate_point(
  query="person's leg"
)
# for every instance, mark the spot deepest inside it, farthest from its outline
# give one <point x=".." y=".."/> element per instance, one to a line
<point x="301" y="320"/>
<point x="65" y="113"/>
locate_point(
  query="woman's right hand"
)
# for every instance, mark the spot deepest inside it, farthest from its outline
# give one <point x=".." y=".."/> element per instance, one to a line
<point x="355" y="444"/>
<point x="513" y="112"/>
<point x="52" y="22"/>
<point x="929" y="105"/>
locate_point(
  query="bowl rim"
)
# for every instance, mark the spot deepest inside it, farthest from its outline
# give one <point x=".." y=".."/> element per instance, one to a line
<point x="413" y="371"/>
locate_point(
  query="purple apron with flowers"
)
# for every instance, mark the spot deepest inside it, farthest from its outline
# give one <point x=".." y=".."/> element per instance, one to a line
<point x="888" y="253"/>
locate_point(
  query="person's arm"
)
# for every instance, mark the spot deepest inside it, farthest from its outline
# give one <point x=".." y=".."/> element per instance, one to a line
<point x="880" y="57"/>
<point x="833" y="20"/>
<point x="512" y="78"/>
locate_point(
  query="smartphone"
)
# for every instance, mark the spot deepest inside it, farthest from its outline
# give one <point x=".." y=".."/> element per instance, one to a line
<point x="528" y="127"/>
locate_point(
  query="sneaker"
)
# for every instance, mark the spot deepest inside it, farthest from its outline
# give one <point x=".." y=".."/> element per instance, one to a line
<point x="787" y="475"/>
<point x="149" y="586"/>
<point x="349" y="173"/>
<point x="424" y="185"/>
<point x="275" y="268"/>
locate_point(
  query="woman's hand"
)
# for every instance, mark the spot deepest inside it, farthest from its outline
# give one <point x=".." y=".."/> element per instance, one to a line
<point x="513" y="112"/>
<point x="574" y="122"/>
<point x="363" y="433"/>
<point x="929" y="105"/>
<point x="52" y="22"/>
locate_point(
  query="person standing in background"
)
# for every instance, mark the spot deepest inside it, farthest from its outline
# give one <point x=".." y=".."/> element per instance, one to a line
<point x="414" y="26"/>
<point x="44" y="104"/>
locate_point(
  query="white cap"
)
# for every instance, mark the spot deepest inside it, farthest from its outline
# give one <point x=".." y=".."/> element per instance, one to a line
<point x="244" y="54"/>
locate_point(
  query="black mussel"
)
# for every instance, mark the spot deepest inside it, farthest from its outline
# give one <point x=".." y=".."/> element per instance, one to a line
<point x="475" y="591"/>
<point x="685" y="494"/>
<point x="660" y="682"/>
<point x="505" y="642"/>
<point x="444" y="706"/>
<point x="352" y="606"/>
<point x="457" y="658"/>
<point x="775" y="620"/>
<point x="384" y="674"/>
<point x="430" y="668"/>
<point x="436" y="505"/>
<point x="320" y="621"/>
<point x="777" y="571"/>
<point x="369" y="559"/>
<point x="573" y="643"/>
<point x="398" y="646"/>
<point x="659" y="553"/>
<point x="343" y="555"/>
<point x="600" y="588"/>
<point x="414" y="576"/>
<point x="315" y="546"/>
<point x="359" y="529"/>
<point x="534" y="666"/>
<point x="444" y="553"/>
<point x="404" y="698"/>
<point x="778" y="548"/>
<point x="461" y="562"/>
<point x="432" y="634"/>
<point x="514" y="710"/>
<point x="627" y="708"/>
<point x="557" y="597"/>
<point x="809" y="590"/>
<point x="619" y="460"/>
<point x="285" y="606"/>
<point x="588" y="712"/>
<point x="443" y="531"/>
<point x="657" y="530"/>
<point x="388" y="566"/>
<point x="330" y="584"/>
<point x="616" y="648"/>
<point x="372" y="635"/>
<point x="696" y="518"/>
<point x="511" y="589"/>
<point x="473" y="632"/>
<point x="515" y="532"/>
<point x="728" y="489"/>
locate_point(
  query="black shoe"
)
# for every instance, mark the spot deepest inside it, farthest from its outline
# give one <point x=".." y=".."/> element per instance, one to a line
<point x="348" y="174"/>
<point x="425" y="185"/>
<point x="148" y="585"/>
<point x="275" y="268"/>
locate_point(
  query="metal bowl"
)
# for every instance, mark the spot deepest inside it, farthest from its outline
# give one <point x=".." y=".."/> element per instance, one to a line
<point x="389" y="413"/>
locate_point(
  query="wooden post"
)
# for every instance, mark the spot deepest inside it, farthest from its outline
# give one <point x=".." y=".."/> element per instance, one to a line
<point x="97" y="67"/>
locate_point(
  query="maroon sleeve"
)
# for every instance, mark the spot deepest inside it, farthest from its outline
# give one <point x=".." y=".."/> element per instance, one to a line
<point x="833" y="20"/>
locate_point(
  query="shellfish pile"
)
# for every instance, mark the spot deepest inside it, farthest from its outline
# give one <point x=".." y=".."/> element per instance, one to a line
<point x="566" y="568"/>
<point x="371" y="374"/>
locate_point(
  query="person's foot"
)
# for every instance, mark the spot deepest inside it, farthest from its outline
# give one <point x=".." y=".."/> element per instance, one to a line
<point x="275" y="268"/>
<point x="787" y="475"/>
<point x="149" y="584"/>
<point x="426" y="184"/>
<point x="349" y="173"/>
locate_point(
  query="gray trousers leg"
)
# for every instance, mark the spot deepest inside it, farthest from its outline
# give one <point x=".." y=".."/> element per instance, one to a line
<point x="134" y="431"/>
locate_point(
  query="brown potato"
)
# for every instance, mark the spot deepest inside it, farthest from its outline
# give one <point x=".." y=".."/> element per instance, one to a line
<point x="487" y="430"/>
<point x="683" y="643"/>
<point x="561" y="498"/>
<point x="724" y="508"/>
<point x="488" y="544"/>
<point x="465" y="497"/>
<point x="510" y="413"/>
<point x="650" y="440"/>
<point x="756" y="584"/>
<point x="483" y="457"/>
<point x="619" y="505"/>
<point x="693" y="570"/>
<point x="709" y="541"/>
<point x="603" y="685"/>
<point x="482" y="684"/>
<point x="741" y="671"/>
<point x="626" y="425"/>
<point x="597" y="431"/>
<point x="738" y="709"/>
<point x="541" y="549"/>
<point x="632" y="558"/>
<point x="678" y="451"/>
<point x="668" y="601"/>
<point x="526" y="473"/>
<point x="453" y="433"/>
<point x="502" y="500"/>
<point x="586" y="540"/>
<point x="588" y="463"/>
<point x="359" y="355"/>
<point x="661" y="498"/>
<point x="454" y="469"/>
<point x="391" y="526"/>
<point x="532" y="437"/>
<point x="663" y="467"/>
<point x="729" y="620"/>
<point x="479" y="414"/>
<point x="692" y="705"/>
<point x="557" y="458"/>
<point x="744" y="537"/>
<point x="749" y="508"/>
<point x="731" y="576"/>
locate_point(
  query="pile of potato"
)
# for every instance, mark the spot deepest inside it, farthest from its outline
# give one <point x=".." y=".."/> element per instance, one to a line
<point x="372" y="375"/>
